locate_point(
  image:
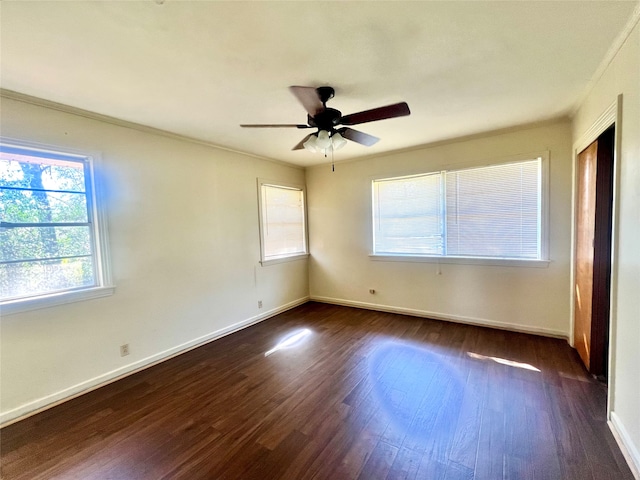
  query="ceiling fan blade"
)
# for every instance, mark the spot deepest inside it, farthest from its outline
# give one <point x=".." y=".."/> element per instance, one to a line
<point x="300" y="145"/>
<point x="308" y="97"/>
<point x="358" y="137"/>
<point x="275" y="125"/>
<point x="390" y="111"/>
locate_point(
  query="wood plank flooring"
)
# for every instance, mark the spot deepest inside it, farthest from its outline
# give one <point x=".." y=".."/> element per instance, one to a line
<point x="359" y="395"/>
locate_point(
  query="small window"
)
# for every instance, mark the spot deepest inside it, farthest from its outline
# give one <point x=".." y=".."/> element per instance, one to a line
<point x="50" y="240"/>
<point x="492" y="211"/>
<point x="282" y="222"/>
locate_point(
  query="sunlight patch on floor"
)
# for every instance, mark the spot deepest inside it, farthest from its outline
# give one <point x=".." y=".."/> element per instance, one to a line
<point x="504" y="361"/>
<point x="292" y="340"/>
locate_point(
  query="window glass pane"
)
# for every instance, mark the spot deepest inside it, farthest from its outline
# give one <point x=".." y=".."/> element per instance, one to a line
<point x="408" y="215"/>
<point x="494" y="211"/>
<point x="26" y="206"/>
<point x="28" y="279"/>
<point x="23" y="170"/>
<point x="26" y="243"/>
<point x="43" y="187"/>
<point x="283" y="221"/>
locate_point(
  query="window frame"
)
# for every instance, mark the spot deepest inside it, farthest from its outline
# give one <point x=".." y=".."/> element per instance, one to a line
<point x="264" y="261"/>
<point x="97" y="219"/>
<point x="542" y="262"/>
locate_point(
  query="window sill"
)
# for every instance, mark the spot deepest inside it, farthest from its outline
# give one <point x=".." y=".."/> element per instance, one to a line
<point x="498" y="262"/>
<point x="54" y="299"/>
<point x="290" y="258"/>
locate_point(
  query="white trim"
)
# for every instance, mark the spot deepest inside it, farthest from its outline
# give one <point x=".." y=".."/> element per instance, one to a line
<point x="44" y="403"/>
<point x="628" y="449"/>
<point x="100" y="221"/>
<point x="564" y="118"/>
<point x="282" y="185"/>
<point x="471" y="163"/>
<point x="613" y="50"/>
<point x="482" y="322"/>
<point x="613" y="288"/>
<point x="290" y="258"/>
<point x="604" y="121"/>
<point x="60" y="107"/>
<point x="96" y="201"/>
<point x="497" y="262"/>
<point x="611" y="116"/>
<point x="54" y="299"/>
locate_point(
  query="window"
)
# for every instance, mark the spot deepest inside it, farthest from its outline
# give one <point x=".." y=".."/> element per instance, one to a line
<point x="282" y="222"/>
<point x="51" y="245"/>
<point x="493" y="212"/>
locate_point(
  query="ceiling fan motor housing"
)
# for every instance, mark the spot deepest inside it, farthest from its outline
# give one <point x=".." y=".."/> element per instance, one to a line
<point x="325" y="93"/>
<point x="327" y="119"/>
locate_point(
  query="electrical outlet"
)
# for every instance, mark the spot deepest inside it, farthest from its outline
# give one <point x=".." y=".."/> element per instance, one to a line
<point x="259" y="303"/>
<point x="124" y="350"/>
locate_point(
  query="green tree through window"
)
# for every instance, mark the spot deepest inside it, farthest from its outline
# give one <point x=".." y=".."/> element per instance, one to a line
<point x="46" y="232"/>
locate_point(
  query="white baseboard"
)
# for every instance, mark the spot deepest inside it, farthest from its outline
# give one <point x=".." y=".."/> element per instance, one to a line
<point x="49" y="401"/>
<point x="483" y="322"/>
<point x="629" y="450"/>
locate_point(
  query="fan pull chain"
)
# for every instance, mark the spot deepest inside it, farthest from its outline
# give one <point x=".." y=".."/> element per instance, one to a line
<point x="333" y="165"/>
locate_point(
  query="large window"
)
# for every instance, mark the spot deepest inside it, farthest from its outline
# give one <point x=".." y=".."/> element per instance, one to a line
<point x="50" y="238"/>
<point x="493" y="212"/>
<point x="282" y="222"/>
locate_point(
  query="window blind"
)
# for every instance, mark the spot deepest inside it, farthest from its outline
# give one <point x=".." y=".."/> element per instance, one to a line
<point x="408" y="215"/>
<point x="282" y="221"/>
<point x="493" y="211"/>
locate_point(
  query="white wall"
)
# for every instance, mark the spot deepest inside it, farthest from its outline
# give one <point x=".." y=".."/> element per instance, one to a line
<point x="622" y="76"/>
<point x="524" y="298"/>
<point x="183" y="225"/>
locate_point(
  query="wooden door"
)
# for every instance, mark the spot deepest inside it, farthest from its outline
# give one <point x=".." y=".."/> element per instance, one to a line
<point x="585" y="222"/>
<point x="593" y="253"/>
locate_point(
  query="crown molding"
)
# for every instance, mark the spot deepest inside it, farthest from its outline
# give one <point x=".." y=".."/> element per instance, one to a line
<point x="608" y="58"/>
<point x="41" y="102"/>
<point x="453" y="140"/>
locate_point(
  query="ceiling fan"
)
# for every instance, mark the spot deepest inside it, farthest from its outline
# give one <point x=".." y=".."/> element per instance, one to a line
<point x="327" y="120"/>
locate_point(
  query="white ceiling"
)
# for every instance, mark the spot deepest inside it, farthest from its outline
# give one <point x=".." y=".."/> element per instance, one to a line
<point x="200" y="69"/>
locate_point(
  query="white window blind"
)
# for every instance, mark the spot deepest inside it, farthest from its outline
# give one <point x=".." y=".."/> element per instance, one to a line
<point x="492" y="212"/>
<point x="283" y="221"/>
<point x="408" y="215"/>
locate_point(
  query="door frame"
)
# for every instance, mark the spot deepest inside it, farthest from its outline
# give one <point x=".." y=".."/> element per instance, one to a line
<point x="611" y="116"/>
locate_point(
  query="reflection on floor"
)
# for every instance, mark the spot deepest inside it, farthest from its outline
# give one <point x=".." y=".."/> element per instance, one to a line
<point x="328" y="392"/>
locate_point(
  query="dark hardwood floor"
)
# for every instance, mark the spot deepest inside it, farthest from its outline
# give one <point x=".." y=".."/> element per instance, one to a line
<point x="360" y="394"/>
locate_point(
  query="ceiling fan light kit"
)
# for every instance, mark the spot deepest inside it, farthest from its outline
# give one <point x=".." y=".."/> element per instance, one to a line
<point x="337" y="141"/>
<point x="328" y="138"/>
<point x="323" y="143"/>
